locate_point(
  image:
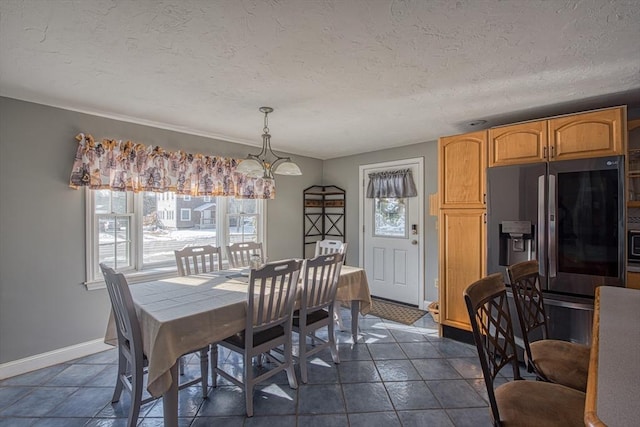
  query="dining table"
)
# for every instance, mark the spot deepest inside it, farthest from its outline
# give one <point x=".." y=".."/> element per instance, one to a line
<point x="183" y="314"/>
<point x="613" y="383"/>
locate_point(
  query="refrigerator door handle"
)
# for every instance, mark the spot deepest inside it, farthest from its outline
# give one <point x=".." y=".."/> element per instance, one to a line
<point x="542" y="252"/>
<point x="553" y="212"/>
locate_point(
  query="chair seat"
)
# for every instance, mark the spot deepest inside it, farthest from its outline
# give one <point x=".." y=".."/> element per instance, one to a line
<point x="562" y="362"/>
<point x="536" y="403"/>
<point x="312" y="317"/>
<point x="258" y="338"/>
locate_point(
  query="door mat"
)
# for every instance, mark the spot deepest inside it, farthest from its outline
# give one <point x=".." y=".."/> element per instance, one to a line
<point x="395" y="312"/>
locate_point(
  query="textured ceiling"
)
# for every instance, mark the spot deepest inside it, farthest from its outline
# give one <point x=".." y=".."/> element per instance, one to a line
<point x="344" y="76"/>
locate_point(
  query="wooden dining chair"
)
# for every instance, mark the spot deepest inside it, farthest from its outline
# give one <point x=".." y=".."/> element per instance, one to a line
<point x="132" y="362"/>
<point x="270" y="301"/>
<point x="319" y="286"/>
<point x="557" y="361"/>
<point x="239" y="254"/>
<point x="327" y="246"/>
<point x="198" y="259"/>
<point x="518" y="402"/>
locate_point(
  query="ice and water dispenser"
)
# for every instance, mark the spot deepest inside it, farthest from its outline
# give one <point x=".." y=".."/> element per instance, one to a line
<point x="517" y="242"/>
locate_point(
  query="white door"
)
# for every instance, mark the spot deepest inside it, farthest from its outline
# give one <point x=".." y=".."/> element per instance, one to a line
<point x="391" y="243"/>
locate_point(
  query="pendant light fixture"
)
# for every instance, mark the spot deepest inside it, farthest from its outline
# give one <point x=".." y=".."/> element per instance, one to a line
<point x="266" y="162"/>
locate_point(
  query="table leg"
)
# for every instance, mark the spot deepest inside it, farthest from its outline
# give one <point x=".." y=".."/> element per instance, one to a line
<point x="170" y="400"/>
<point x="355" y="311"/>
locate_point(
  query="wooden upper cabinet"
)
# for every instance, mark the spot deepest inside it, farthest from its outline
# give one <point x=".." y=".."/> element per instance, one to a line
<point x="520" y="143"/>
<point x="462" y="165"/>
<point x="594" y="134"/>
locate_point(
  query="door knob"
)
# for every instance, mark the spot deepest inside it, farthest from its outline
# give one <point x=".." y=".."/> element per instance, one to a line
<point x="414" y="242"/>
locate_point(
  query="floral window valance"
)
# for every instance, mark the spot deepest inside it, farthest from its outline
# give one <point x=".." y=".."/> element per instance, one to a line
<point x="390" y="184"/>
<point x="129" y="166"/>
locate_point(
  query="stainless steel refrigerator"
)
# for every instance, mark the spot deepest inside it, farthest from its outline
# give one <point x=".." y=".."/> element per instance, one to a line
<point x="569" y="215"/>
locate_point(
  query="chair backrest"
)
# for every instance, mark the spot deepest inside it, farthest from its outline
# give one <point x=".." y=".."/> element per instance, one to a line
<point x="198" y="259"/>
<point x="271" y="297"/>
<point x="239" y="254"/>
<point x="127" y="326"/>
<point x="488" y="309"/>
<point x="527" y="294"/>
<point x="320" y="282"/>
<point x="326" y="246"/>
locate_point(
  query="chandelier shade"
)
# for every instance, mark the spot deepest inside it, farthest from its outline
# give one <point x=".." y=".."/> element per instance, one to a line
<point x="266" y="162"/>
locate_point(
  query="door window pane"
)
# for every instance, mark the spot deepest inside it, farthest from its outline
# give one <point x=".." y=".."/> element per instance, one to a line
<point x="390" y="217"/>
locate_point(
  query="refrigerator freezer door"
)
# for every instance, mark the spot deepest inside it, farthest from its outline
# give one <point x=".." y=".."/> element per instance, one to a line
<point x="512" y="197"/>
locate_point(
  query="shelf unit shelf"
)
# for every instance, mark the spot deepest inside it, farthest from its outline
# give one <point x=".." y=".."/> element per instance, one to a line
<point x="324" y="210"/>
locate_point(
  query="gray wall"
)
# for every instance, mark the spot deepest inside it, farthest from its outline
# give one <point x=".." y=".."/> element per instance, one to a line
<point x="344" y="171"/>
<point x="43" y="304"/>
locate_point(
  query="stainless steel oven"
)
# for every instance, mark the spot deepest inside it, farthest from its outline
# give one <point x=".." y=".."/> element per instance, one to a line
<point x="633" y="246"/>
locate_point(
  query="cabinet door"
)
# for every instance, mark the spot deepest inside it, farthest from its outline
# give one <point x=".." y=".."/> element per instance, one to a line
<point x="462" y="261"/>
<point x="633" y="164"/>
<point x="633" y="280"/>
<point x="462" y="165"/>
<point x="515" y="144"/>
<point x="594" y="134"/>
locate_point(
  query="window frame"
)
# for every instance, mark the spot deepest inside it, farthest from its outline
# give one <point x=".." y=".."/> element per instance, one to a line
<point x="137" y="272"/>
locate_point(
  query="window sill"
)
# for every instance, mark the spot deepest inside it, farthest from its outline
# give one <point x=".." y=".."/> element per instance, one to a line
<point x="137" y="277"/>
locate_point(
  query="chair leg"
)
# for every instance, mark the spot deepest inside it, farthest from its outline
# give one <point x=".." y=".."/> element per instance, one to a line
<point x="302" y="356"/>
<point x="181" y="366"/>
<point x="122" y="374"/>
<point x="204" y="371"/>
<point x="136" y="398"/>
<point x="248" y="385"/>
<point x="213" y="356"/>
<point x="337" y="318"/>
<point x="288" y="360"/>
<point x="332" y="343"/>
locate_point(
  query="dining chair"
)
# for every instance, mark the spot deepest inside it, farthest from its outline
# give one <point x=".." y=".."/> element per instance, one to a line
<point x="556" y="361"/>
<point x="132" y="362"/>
<point x="317" y="300"/>
<point x="270" y="301"/>
<point x="518" y="402"/>
<point x="198" y="259"/>
<point x="239" y="254"/>
<point x="327" y="246"/>
<point x="195" y="260"/>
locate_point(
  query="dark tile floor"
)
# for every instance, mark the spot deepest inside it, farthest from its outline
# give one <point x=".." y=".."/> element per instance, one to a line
<point x="395" y="375"/>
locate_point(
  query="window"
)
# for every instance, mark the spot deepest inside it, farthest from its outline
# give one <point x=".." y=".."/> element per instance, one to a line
<point x="137" y="233"/>
<point x="243" y="220"/>
<point x="390" y="219"/>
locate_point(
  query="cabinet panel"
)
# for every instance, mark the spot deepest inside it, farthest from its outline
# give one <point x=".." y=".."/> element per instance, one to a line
<point x="515" y="144"/>
<point x="462" y="164"/>
<point x="595" y="134"/>
<point x="462" y="261"/>
<point x="633" y="280"/>
<point x="633" y="163"/>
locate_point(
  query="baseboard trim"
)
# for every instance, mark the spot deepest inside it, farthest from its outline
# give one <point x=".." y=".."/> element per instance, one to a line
<point x="50" y="358"/>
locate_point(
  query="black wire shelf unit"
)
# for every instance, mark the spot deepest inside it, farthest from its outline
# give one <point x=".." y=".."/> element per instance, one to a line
<point x="324" y="213"/>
